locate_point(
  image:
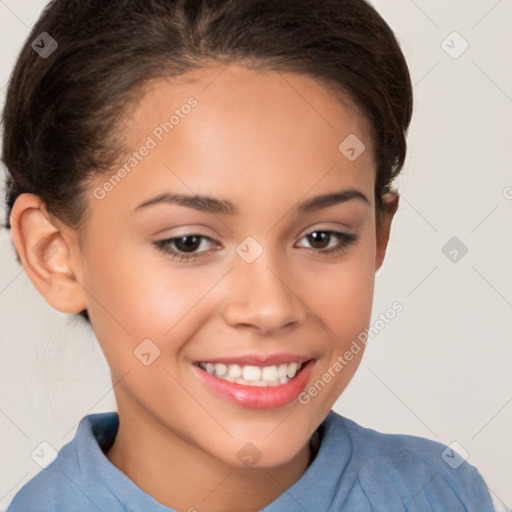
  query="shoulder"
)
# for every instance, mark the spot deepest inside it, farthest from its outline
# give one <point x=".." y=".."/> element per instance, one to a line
<point x="416" y="468"/>
<point x="61" y="485"/>
<point x="51" y="487"/>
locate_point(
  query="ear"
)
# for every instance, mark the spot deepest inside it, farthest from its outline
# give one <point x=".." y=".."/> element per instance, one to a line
<point x="46" y="249"/>
<point x="383" y="225"/>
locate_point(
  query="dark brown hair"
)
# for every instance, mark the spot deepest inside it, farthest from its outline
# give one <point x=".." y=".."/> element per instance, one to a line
<point x="61" y="112"/>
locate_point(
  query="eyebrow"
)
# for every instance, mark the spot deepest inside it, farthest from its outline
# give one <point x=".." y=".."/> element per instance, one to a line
<point x="213" y="205"/>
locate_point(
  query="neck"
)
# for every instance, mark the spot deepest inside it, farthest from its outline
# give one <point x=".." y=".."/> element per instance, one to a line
<point x="181" y="476"/>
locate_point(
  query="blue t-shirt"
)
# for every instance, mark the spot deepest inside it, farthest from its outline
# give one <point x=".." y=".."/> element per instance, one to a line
<point x="355" y="469"/>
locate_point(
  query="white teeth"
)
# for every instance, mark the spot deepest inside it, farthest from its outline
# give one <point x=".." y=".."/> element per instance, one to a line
<point x="234" y="371"/>
<point x="269" y="373"/>
<point x="282" y="370"/>
<point x="253" y="375"/>
<point x="220" y="369"/>
<point x="292" y="370"/>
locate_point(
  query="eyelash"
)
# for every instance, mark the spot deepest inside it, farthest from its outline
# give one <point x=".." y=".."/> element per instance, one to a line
<point x="346" y="239"/>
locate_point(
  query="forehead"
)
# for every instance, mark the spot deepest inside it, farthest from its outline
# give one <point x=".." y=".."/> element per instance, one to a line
<point x="234" y="131"/>
<point x="259" y="100"/>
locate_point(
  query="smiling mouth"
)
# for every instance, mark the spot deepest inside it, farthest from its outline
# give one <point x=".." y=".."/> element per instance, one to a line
<point x="249" y="375"/>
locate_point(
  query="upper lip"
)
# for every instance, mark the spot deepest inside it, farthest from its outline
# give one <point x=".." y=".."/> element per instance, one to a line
<point x="258" y="359"/>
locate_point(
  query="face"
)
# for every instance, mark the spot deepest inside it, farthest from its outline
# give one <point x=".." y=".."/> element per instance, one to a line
<point x="218" y="316"/>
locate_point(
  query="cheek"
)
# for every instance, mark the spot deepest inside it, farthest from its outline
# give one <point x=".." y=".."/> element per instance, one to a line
<point x="342" y="294"/>
<point x="350" y="310"/>
<point x="143" y="296"/>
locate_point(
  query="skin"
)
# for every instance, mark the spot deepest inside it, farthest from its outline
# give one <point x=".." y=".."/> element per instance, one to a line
<point x="264" y="141"/>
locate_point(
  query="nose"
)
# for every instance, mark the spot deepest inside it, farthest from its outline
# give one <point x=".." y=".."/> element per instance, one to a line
<point x="262" y="297"/>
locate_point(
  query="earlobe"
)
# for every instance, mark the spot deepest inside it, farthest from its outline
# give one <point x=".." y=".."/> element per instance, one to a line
<point x="383" y="226"/>
<point x="45" y="251"/>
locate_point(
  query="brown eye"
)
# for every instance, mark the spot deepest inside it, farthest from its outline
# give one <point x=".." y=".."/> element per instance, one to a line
<point x="320" y="240"/>
<point x="189" y="243"/>
<point x="184" y="247"/>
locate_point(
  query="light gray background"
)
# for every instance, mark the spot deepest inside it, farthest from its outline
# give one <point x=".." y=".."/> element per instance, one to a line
<point x="442" y="368"/>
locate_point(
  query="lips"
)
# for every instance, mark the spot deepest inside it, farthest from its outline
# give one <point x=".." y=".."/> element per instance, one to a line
<point x="256" y="381"/>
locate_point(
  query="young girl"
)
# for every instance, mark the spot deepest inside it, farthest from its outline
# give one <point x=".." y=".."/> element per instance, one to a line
<point x="208" y="184"/>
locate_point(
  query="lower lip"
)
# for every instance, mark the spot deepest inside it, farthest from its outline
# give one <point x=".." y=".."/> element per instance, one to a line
<point x="255" y="397"/>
